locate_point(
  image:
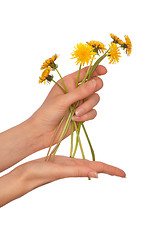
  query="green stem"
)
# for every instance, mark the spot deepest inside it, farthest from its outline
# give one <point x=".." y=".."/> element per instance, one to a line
<point x="78" y="76"/>
<point x="65" y="127"/>
<point x="77" y="132"/>
<point x="79" y="126"/>
<point x="53" y="138"/>
<point x="67" y="124"/>
<point x="89" y="142"/>
<point x="77" y="138"/>
<point x="84" y="79"/>
<point x="58" y="86"/>
<point x="96" y="64"/>
<point x="62" y="80"/>
<point x="72" y="130"/>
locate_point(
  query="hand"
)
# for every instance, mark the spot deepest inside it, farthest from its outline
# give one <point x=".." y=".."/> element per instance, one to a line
<point x="47" y="118"/>
<point x="36" y="132"/>
<point x="33" y="174"/>
<point x="39" y="172"/>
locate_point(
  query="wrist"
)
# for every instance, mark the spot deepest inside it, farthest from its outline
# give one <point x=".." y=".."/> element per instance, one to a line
<point x="12" y="186"/>
<point x="35" y="135"/>
<point x="19" y="142"/>
<point x="30" y="175"/>
<point x="41" y="131"/>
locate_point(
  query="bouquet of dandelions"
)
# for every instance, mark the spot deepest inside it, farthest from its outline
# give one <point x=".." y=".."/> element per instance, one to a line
<point x="84" y="54"/>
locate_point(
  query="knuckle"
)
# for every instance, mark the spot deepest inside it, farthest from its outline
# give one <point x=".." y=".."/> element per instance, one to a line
<point x="101" y="167"/>
<point x="90" y="86"/>
<point x="77" y="171"/>
<point x="82" y="90"/>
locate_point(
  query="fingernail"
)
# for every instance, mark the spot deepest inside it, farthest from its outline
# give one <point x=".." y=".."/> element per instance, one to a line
<point x="93" y="175"/>
<point x="79" y="112"/>
<point x="74" y="118"/>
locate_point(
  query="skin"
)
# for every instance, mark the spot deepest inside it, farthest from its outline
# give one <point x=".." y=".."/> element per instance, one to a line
<point x="36" y="133"/>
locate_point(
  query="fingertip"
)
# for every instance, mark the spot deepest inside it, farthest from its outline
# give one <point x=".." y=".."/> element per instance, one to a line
<point x="124" y="175"/>
<point x="121" y="174"/>
<point x="101" y="70"/>
<point x="117" y="172"/>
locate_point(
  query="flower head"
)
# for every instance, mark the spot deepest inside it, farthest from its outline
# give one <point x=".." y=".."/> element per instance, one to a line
<point x="50" y="62"/>
<point x="45" y="75"/>
<point x="84" y="54"/>
<point x="116" y="39"/>
<point x="114" y="53"/>
<point x="97" y="46"/>
<point x="128" y="45"/>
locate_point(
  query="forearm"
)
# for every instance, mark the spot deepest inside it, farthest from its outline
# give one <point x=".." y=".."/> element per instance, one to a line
<point x="18" y="142"/>
<point x="11" y="186"/>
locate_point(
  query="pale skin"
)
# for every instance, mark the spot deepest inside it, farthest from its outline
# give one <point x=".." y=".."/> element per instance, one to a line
<point x="36" y="133"/>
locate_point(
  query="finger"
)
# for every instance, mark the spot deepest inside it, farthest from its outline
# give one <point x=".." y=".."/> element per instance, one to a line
<point x="101" y="167"/>
<point x="80" y="171"/>
<point x="100" y="70"/>
<point x="70" y="80"/>
<point x="99" y="83"/>
<point x="91" y="169"/>
<point x="65" y="167"/>
<point x="79" y="93"/>
<point x="85" y="107"/>
<point x="73" y="167"/>
<point x="86" y="117"/>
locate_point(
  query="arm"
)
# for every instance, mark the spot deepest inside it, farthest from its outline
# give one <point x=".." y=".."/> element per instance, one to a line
<point x="17" y="143"/>
<point x="11" y="186"/>
<point x="36" y="132"/>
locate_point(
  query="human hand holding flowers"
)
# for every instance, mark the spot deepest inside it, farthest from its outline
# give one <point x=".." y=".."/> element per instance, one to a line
<point x="84" y="54"/>
<point x="47" y="118"/>
<point x="35" y="134"/>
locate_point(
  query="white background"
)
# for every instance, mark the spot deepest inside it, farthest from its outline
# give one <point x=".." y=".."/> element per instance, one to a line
<point x="124" y="134"/>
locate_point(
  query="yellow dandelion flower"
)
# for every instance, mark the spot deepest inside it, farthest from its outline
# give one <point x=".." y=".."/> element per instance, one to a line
<point x="128" y="44"/>
<point x="44" y="75"/>
<point x="98" y="46"/>
<point x="116" y="39"/>
<point x="50" y="62"/>
<point x="84" y="54"/>
<point x="114" y="53"/>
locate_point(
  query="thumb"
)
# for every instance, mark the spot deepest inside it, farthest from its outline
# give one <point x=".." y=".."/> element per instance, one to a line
<point x="79" y="93"/>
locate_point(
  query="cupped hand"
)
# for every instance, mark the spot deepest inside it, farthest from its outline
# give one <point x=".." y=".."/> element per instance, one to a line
<point x="47" y="118"/>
